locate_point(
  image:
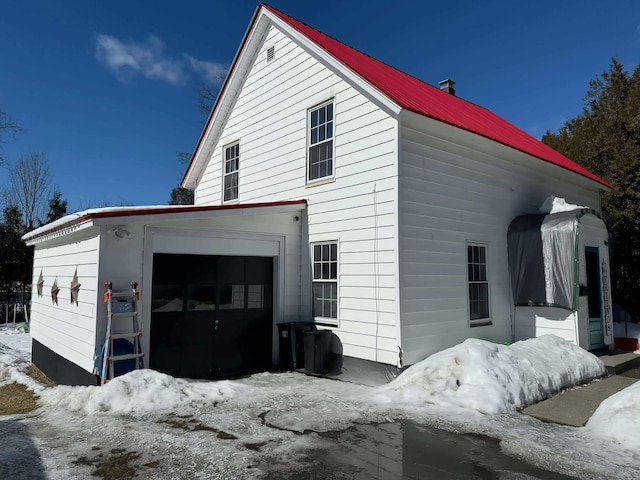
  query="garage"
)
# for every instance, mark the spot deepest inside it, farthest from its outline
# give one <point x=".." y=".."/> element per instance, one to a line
<point x="211" y="316"/>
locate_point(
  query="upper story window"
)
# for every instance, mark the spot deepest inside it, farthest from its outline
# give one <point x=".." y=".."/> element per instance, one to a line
<point x="230" y="169"/>
<point x="320" y="155"/>
<point x="478" y="283"/>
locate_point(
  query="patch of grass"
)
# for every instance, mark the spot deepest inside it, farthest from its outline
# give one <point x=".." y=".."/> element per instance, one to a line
<point x="15" y="398"/>
<point x="35" y="373"/>
<point x="115" y="467"/>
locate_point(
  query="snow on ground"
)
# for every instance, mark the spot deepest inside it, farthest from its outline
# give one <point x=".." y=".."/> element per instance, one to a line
<point x="139" y="393"/>
<point x="618" y="417"/>
<point x="492" y="378"/>
<point x="264" y="423"/>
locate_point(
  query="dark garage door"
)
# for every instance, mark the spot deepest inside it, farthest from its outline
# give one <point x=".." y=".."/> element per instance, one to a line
<point x="211" y="316"/>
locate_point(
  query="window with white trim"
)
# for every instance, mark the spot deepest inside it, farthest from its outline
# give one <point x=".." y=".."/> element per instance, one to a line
<point x="325" y="281"/>
<point x="478" y="282"/>
<point x="231" y="167"/>
<point x="320" y="161"/>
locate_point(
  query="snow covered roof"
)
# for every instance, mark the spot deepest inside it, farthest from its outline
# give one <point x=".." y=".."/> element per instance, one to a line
<point x="411" y="94"/>
<point x="71" y="222"/>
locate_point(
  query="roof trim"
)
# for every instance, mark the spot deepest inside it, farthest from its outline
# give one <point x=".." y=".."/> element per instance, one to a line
<point x="89" y="216"/>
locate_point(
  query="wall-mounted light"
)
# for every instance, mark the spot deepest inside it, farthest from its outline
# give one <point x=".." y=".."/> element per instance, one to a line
<point x="121" y="233"/>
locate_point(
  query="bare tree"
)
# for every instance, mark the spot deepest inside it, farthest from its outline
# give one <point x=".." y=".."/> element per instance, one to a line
<point x="207" y="94"/>
<point x="7" y="125"/>
<point x="30" y="182"/>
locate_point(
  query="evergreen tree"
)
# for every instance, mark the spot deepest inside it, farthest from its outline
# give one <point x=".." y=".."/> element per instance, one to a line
<point x="57" y="207"/>
<point x="16" y="261"/>
<point x="181" y="196"/>
<point x="605" y="138"/>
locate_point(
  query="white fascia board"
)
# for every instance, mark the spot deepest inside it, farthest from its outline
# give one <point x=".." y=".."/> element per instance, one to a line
<point x="360" y="83"/>
<point x="186" y="216"/>
<point x="60" y="233"/>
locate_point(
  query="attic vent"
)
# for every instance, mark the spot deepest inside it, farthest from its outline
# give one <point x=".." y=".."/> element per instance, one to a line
<point x="271" y="53"/>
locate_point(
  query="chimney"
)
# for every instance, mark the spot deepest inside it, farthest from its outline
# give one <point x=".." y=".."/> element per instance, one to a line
<point x="446" y="86"/>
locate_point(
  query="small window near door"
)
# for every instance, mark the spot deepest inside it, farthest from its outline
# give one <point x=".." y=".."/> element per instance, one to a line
<point x="231" y="168"/>
<point x="478" y="285"/>
<point x="325" y="281"/>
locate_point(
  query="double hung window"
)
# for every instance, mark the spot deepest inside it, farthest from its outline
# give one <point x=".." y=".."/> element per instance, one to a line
<point x="478" y="284"/>
<point x="320" y="155"/>
<point x="230" y="169"/>
<point x="325" y="280"/>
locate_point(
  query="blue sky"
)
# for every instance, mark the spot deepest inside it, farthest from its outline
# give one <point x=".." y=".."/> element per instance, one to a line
<point x="106" y="90"/>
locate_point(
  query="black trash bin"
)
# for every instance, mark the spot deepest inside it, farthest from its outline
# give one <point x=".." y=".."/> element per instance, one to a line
<point x="291" y="344"/>
<point x="317" y="351"/>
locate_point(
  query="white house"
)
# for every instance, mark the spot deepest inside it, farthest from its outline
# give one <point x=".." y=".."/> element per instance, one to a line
<point x="333" y="188"/>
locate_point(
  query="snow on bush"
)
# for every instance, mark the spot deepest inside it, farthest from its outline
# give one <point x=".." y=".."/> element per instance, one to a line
<point x="492" y="378"/>
<point x="140" y="392"/>
<point x="618" y="418"/>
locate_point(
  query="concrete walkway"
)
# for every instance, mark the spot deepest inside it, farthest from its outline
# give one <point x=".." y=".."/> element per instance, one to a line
<point x="574" y="407"/>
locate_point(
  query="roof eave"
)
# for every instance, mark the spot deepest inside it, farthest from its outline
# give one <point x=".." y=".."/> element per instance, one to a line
<point x="190" y="212"/>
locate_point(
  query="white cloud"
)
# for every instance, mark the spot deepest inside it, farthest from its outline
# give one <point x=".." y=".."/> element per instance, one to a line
<point x="210" y="71"/>
<point x="148" y="58"/>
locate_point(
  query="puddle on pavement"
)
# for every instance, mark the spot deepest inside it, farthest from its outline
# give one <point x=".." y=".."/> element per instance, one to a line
<point x="404" y="450"/>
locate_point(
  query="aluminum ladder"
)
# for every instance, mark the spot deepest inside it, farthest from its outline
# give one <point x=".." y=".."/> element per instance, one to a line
<point x="121" y="305"/>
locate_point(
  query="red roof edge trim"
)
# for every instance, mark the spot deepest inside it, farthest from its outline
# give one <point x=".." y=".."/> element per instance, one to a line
<point x="132" y="212"/>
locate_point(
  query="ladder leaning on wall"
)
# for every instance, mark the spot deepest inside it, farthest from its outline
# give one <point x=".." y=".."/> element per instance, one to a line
<point x="121" y="305"/>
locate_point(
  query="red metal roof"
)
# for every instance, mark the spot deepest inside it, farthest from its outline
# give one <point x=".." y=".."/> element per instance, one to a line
<point x="113" y="212"/>
<point x="419" y="97"/>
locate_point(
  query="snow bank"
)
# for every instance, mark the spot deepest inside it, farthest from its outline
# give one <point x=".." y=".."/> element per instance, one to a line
<point x="618" y="418"/>
<point x="140" y="392"/>
<point x="492" y="378"/>
<point x="15" y="356"/>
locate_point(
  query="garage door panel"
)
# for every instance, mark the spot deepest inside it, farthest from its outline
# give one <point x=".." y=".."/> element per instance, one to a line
<point x="221" y="319"/>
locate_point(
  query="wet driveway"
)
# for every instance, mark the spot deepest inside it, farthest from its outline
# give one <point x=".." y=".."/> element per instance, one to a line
<point x="405" y="450"/>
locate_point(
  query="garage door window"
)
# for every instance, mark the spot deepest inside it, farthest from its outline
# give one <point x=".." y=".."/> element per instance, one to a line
<point x="201" y="297"/>
<point x="232" y="297"/>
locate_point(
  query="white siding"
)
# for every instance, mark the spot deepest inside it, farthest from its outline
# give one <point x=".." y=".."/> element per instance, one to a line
<point x="532" y="322"/>
<point x="65" y="328"/>
<point x="450" y="195"/>
<point x="358" y="208"/>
